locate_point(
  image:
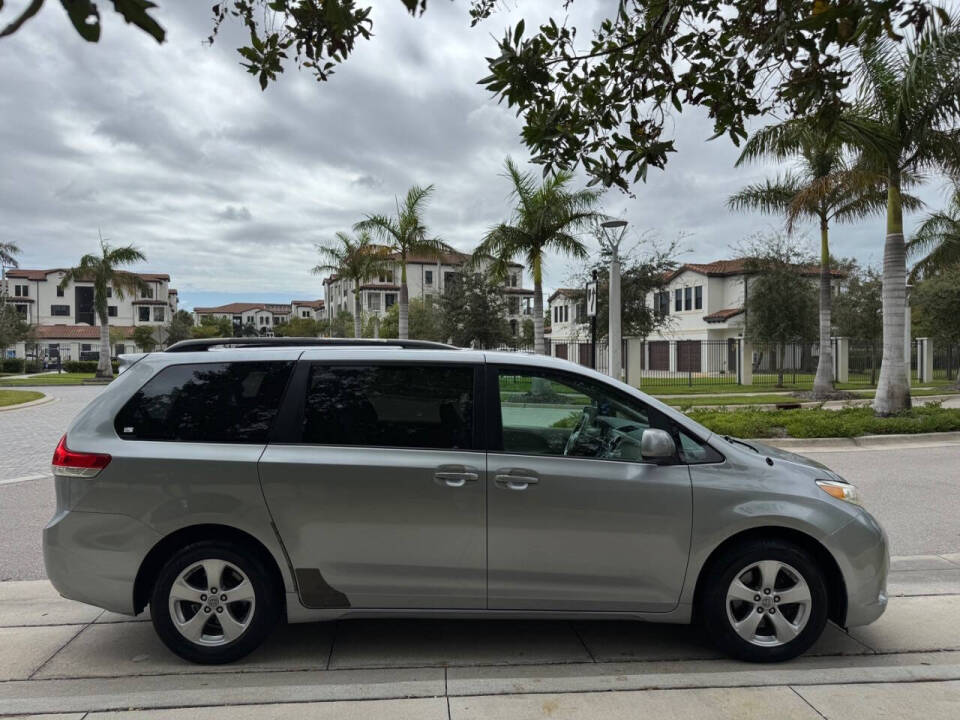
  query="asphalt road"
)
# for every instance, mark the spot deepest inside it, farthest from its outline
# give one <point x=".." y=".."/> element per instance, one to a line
<point x="915" y="493"/>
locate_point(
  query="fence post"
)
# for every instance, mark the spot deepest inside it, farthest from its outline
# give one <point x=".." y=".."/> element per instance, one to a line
<point x="746" y="362"/>
<point x="908" y="345"/>
<point x="924" y="359"/>
<point x="841" y="352"/>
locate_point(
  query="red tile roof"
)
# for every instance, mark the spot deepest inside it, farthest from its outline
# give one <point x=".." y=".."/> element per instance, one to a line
<point x="572" y="293"/>
<point x="76" y="332"/>
<point x="242" y="307"/>
<point x="316" y="304"/>
<point x="25" y="274"/>
<point x="739" y="266"/>
<point x="722" y="315"/>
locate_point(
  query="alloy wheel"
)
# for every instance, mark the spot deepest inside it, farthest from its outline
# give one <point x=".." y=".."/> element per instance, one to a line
<point x="212" y="602"/>
<point x="768" y="603"/>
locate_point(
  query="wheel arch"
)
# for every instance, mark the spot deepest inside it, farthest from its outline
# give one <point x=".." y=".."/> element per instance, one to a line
<point x="836" y="586"/>
<point x="170" y="544"/>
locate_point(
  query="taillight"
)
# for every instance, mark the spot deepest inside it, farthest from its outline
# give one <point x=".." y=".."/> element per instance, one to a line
<point x="67" y="463"/>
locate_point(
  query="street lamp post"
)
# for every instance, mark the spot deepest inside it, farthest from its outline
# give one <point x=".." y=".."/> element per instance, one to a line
<point x="614" y="340"/>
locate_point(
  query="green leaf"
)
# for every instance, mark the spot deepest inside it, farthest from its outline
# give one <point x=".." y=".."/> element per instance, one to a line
<point x="136" y="12"/>
<point x="85" y="18"/>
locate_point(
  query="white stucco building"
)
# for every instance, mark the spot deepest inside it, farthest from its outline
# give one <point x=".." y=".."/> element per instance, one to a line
<point x="63" y="321"/>
<point x="263" y="316"/>
<point x="427" y="278"/>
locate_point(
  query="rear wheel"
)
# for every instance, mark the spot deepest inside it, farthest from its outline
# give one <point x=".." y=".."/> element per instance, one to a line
<point x="214" y="603"/>
<point x="765" y="601"/>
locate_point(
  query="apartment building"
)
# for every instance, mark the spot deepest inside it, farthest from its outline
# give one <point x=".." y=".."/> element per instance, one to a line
<point x="63" y="321"/>
<point x="263" y="316"/>
<point x="427" y="278"/>
<point x="307" y="309"/>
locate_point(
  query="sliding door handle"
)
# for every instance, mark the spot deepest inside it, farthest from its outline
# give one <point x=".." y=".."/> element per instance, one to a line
<point x="455" y="479"/>
<point x="515" y="482"/>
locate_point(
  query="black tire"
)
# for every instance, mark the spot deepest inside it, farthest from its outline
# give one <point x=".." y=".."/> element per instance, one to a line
<point x="261" y="615"/>
<point x="717" y="620"/>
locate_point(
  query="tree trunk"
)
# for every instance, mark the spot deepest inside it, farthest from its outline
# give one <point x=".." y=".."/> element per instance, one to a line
<point x="823" y="381"/>
<point x="893" y="390"/>
<point x="357" y="309"/>
<point x="539" y="346"/>
<point x="403" y="316"/>
<point x="104" y="367"/>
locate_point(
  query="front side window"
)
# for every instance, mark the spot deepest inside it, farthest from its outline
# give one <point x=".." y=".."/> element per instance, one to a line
<point x="389" y="299"/>
<point x="688" y="298"/>
<point x="428" y="277"/>
<point x="426" y="406"/>
<point x="206" y="402"/>
<point x="111" y="310"/>
<point x="60" y="310"/>
<point x="545" y="413"/>
<point x="678" y="300"/>
<point x="59" y="291"/>
<point x="143" y="313"/>
<point x="158" y="314"/>
<point x="698" y="297"/>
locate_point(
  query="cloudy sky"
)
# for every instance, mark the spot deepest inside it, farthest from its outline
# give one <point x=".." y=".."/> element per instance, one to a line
<point x="175" y="149"/>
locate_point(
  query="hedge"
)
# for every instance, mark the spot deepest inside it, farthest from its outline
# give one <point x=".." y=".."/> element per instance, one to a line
<point x="84" y="366"/>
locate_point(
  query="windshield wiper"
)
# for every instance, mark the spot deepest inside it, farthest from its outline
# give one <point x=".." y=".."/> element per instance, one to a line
<point x="732" y="440"/>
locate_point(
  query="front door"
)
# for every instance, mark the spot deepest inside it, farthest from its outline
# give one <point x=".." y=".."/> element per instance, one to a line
<point x="377" y="485"/>
<point x="577" y="520"/>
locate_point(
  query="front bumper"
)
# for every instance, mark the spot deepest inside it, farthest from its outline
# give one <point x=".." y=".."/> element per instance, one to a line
<point x="94" y="557"/>
<point x="862" y="552"/>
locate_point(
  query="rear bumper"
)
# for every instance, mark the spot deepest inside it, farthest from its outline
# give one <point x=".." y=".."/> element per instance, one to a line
<point x="862" y="552"/>
<point x="94" y="557"/>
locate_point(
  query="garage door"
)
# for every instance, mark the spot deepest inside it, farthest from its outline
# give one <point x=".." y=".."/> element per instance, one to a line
<point x="688" y="356"/>
<point x="561" y="351"/>
<point x="659" y="355"/>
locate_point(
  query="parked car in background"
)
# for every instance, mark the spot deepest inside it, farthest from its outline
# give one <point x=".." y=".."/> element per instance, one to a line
<point x="297" y="480"/>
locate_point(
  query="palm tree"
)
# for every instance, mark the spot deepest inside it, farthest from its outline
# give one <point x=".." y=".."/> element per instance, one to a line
<point x="406" y="235"/>
<point x="8" y="258"/>
<point x="903" y="123"/>
<point x="937" y="242"/>
<point x="825" y="187"/>
<point x="545" y="219"/>
<point x="103" y="271"/>
<point x="356" y="259"/>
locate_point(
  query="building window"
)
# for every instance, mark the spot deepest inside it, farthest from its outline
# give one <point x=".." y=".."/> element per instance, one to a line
<point x="386" y="276"/>
<point x="389" y="300"/>
<point x="661" y="303"/>
<point x="111" y="311"/>
<point x="59" y="291"/>
<point x="304" y="313"/>
<point x="513" y="280"/>
<point x="373" y="302"/>
<point x="21" y="291"/>
<point x="60" y="310"/>
<point x="22" y="309"/>
<point x="147" y="293"/>
<point x="566" y="313"/>
<point x="688" y="298"/>
<point x="581" y="312"/>
<point x="158" y="314"/>
<point x="698" y="297"/>
<point x="428" y="277"/>
<point x="678" y="300"/>
<point x="143" y="314"/>
<point x="85" y="347"/>
<point x="514" y="305"/>
<point x="110" y="291"/>
<point x="513" y="328"/>
<point x="238" y="320"/>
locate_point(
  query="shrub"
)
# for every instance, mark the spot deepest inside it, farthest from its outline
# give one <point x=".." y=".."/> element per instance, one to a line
<point x="811" y="423"/>
<point x="11" y="365"/>
<point x="84" y="366"/>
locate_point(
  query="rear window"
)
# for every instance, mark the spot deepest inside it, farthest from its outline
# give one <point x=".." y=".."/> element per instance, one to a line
<point x="233" y="402"/>
<point x="390" y="406"/>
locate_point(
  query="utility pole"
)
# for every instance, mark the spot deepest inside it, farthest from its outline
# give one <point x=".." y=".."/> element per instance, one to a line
<point x="614" y="339"/>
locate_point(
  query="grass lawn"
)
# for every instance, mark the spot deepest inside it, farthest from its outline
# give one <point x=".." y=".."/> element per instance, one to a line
<point x="815" y="423"/>
<point x="763" y="399"/>
<point x="16" y="397"/>
<point x="54" y="379"/>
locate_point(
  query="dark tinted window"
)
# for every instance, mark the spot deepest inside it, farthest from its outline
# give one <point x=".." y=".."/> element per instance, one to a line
<point x="390" y="406"/>
<point x="210" y="402"/>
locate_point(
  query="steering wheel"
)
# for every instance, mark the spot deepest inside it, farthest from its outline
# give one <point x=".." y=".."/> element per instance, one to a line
<point x="586" y="417"/>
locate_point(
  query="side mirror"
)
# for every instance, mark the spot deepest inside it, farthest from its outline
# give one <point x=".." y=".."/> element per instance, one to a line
<point x="656" y="444"/>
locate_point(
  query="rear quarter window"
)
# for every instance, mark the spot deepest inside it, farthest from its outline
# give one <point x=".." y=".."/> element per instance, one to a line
<point x="232" y="402"/>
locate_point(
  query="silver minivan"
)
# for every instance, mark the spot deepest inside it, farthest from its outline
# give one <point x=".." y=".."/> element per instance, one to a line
<point x="231" y="487"/>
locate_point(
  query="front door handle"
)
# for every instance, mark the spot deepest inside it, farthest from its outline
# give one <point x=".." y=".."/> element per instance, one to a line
<point x="515" y="482"/>
<point x="455" y="478"/>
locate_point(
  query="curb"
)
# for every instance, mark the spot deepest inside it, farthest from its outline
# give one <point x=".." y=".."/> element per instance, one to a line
<point x="33" y="403"/>
<point x="865" y="442"/>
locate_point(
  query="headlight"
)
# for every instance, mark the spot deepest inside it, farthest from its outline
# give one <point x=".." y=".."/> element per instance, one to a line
<point x="840" y="490"/>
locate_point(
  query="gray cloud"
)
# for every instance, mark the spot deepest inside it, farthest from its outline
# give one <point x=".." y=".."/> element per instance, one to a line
<point x="176" y="150"/>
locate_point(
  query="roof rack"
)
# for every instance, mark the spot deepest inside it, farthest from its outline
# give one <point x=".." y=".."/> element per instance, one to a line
<point x="201" y="345"/>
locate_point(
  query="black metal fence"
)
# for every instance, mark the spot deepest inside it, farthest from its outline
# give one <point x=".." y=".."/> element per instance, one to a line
<point x="785" y="363"/>
<point x="863" y="362"/>
<point x="946" y="361"/>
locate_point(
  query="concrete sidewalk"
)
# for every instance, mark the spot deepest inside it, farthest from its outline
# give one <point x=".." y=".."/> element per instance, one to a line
<point x="57" y="656"/>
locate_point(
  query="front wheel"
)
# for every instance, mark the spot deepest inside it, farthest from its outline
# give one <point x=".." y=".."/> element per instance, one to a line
<point x="213" y="603"/>
<point x="765" y="601"/>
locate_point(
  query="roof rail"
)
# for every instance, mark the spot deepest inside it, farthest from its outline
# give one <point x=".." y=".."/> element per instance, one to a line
<point x="203" y="344"/>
